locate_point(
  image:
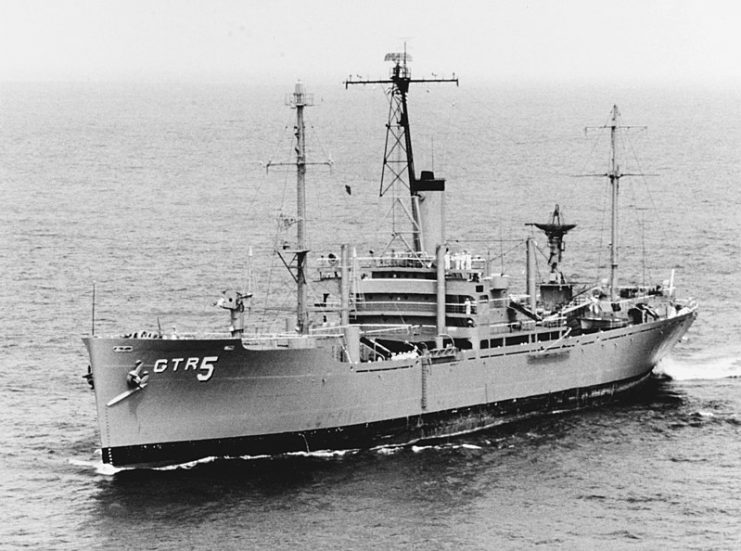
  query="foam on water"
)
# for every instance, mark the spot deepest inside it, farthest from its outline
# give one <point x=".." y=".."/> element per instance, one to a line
<point x="110" y="470"/>
<point x="97" y="466"/>
<point x="388" y="450"/>
<point x="325" y="454"/>
<point x="704" y="365"/>
<point x="446" y="446"/>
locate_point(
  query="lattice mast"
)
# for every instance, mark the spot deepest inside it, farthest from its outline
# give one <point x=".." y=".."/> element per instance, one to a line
<point x="398" y="156"/>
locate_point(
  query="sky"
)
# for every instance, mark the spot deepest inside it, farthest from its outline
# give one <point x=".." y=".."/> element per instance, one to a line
<point x="496" y="40"/>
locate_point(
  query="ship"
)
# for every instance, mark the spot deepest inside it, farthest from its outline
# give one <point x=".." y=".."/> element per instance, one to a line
<point x="424" y="341"/>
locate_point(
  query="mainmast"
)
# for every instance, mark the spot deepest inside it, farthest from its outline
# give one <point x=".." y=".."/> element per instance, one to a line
<point x="614" y="175"/>
<point x="398" y="157"/>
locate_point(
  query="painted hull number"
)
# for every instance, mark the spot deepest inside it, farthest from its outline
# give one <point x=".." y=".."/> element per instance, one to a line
<point x="203" y="366"/>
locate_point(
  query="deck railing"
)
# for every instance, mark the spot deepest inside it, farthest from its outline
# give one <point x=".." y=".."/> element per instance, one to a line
<point x="454" y="263"/>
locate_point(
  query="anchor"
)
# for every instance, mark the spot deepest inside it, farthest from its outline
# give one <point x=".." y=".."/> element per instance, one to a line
<point x="136" y="381"/>
<point x="89" y="377"/>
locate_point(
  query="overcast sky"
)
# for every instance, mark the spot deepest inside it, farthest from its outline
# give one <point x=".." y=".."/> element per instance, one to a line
<point x="584" y="40"/>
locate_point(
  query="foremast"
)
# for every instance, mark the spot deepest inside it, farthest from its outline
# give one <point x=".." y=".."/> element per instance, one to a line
<point x="398" y="156"/>
<point x="298" y="264"/>
<point x="299" y="101"/>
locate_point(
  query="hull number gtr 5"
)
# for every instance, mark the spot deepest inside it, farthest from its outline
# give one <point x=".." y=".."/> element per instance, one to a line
<point x="205" y="365"/>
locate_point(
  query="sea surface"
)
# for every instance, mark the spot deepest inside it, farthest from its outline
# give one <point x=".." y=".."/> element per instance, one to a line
<point x="157" y="195"/>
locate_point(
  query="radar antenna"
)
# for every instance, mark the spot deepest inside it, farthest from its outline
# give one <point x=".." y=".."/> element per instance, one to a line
<point x="555" y="229"/>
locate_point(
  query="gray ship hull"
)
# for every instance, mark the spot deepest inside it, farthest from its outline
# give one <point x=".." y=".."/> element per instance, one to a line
<point x="220" y="397"/>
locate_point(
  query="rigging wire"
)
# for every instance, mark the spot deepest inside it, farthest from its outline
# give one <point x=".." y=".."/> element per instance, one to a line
<point x="652" y="202"/>
<point x="251" y="207"/>
<point x="280" y="228"/>
<point x="641" y="217"/>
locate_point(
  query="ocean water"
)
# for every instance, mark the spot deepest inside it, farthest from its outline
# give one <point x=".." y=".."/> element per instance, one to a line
<point x="158" y="193"/>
